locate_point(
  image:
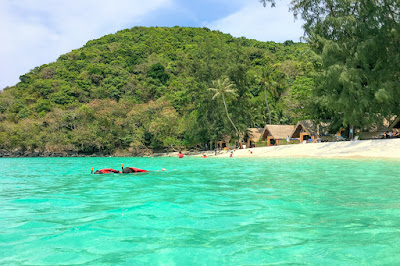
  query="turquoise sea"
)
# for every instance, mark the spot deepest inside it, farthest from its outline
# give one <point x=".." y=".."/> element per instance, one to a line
<point x="214" y="211"/>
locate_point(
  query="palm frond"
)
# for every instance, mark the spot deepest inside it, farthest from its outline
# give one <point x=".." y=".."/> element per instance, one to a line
<point x="230" y="85"/>
<point x="222" y="87"/>
<point x="233" y="92"/>
<point x="216" y="95"/>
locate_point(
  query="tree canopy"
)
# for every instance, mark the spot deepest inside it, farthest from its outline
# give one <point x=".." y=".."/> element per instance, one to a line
<point x="147" y="89"/>
<point x="357" y="41"/>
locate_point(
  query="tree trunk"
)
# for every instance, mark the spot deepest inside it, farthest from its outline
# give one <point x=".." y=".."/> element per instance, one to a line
<point x="266" y="102"/>
<point x="227" y="114"/>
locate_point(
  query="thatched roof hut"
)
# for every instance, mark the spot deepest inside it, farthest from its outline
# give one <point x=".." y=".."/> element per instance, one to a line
<point x="305" y="126"/>
<point x="277" y="131"/>
<point x="252" y="136"/>
<point x="255" y="134"/>
<point x="226" y="138"/>
<point x="223" y="142"/>
<point x="395" y="124"/>
<point x="380" y="126"/>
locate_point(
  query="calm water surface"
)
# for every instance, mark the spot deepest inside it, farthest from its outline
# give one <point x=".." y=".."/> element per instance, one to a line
<point x="211" y="211"/>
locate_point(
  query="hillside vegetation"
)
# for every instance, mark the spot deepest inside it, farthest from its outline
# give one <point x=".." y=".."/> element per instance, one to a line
<point x="147" y="89"/>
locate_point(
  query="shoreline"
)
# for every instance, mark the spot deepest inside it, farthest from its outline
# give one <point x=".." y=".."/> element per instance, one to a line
<point x="360" y="149"/>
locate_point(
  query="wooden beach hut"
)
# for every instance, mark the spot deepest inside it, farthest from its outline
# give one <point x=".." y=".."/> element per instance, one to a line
<point x="249" y="138"/>
<point x="223" y="143"/>
<point x="380" y="127"/>
<point x="275" y="133"/>
<point x="253" y="136"/>
<point x="304" y="130"/>
<point x="395" y="124"/>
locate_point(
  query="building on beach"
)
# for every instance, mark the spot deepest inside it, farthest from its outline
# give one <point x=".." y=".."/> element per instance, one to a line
<point x="223" y="143"/>
<point x="395" y="124"/>
<point x="304" y="130"/>
<point x="276" y="133"/>
<point x="252" y="136"/>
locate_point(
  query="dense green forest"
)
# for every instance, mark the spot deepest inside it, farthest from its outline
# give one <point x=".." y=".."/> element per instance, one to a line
<point x="145" y="89"/>
<point x="357" y="82"/>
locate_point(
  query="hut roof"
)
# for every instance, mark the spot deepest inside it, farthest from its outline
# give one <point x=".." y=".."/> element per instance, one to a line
<point x="225" y="138"/>
<point x="304" y="126"/>
<point x="395" y="123"/>
<point x="277" y="131"/>
<point x="255" y="133"/>
<point x="383" y="124"/>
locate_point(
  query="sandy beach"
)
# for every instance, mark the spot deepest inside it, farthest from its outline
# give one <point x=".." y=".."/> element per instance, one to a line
<point x="382" y="148"/>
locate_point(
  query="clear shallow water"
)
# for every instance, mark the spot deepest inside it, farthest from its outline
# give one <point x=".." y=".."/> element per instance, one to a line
<point x="200" y="211"/>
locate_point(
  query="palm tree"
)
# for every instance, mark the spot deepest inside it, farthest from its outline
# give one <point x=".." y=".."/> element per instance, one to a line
<point x="267" y="81"/>
<point x="223" y="87"/>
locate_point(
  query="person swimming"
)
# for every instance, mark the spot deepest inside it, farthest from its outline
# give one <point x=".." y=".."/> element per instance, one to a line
<point x="129" y="170"/>
<point x="125" y="170"/>
<point x="106" y="171"/>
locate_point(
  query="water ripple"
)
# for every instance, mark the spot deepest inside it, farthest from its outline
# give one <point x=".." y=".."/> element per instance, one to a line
<point x="200" y="211"/>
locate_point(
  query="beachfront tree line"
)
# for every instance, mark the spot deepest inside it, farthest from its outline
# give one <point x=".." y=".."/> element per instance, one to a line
<point x="357" y="42"/>
<point x="152" y="89"/>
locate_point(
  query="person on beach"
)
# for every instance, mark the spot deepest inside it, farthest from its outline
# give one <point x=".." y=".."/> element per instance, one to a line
<point x="180" y="155"/>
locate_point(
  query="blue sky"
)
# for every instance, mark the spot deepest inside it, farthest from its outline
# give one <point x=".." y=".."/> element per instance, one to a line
<point x="36" y="32"/>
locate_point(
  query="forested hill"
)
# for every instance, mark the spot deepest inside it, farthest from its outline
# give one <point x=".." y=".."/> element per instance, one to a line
<point x="148" y="88"/>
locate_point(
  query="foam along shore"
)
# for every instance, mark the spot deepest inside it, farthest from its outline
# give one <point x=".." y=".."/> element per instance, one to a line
<point x="380" y="148"/>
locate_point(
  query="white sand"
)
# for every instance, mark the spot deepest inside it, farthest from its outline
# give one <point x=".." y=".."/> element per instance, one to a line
<point x="383" y="148"/>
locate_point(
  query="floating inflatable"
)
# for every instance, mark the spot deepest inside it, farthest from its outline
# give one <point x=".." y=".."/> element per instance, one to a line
<point x="126" y="170"/>
<point x="106" y="171"/>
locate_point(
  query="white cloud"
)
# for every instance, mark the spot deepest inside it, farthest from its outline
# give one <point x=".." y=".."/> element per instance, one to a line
<point x="38" y="32"/>
<point x="264" y="24"/>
